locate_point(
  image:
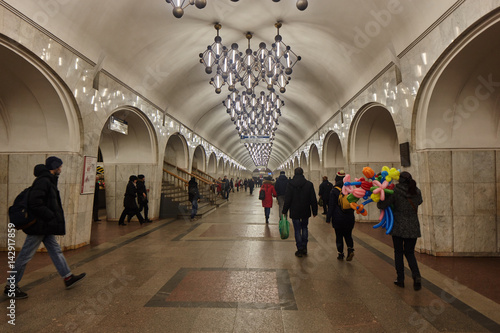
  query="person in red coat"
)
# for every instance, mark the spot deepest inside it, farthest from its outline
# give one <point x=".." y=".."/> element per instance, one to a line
<point x="267" y="203"/>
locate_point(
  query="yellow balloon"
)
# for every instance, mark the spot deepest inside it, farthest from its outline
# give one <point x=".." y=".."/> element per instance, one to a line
<point x="375" y="197"/>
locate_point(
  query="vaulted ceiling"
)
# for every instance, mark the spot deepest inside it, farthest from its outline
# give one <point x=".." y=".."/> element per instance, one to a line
<point x="343" y="45"/>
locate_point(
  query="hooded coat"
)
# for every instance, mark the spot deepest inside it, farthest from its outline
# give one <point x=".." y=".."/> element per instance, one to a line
<point x="300" y="198"/>
<point x="193" y="192"/>
<point x="44" y="204"/>
<point x="406" y="224"/>
<point x="268" y="187"/>
<point x="280" y="185"/>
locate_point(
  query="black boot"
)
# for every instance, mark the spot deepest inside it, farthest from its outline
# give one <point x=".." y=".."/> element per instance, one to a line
<point x="340" y="256"/>
<point x="417" y="283"/>
<point x="350" y="254"/>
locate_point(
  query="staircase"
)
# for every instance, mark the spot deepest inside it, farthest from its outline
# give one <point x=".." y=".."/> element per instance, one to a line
<point x="174" y="194"/>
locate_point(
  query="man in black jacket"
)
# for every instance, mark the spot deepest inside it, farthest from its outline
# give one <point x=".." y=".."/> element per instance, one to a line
<point x="44" y="204"/>
<point x="280" y="187"/>
<point x="142" y="196"/>
<point x="300" y="199"/>
<point x="130" y="203"/>
<point x="324" y="193"/>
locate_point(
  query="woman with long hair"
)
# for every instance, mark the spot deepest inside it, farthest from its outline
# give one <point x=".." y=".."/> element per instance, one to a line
<point x="404" y="202"/>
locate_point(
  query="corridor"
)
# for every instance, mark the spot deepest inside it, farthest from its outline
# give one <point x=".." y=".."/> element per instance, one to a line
<point x="230" y="272"/>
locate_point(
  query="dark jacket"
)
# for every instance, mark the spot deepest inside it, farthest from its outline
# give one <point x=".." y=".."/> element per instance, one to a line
<point x="324" y="190"/>
<point x="141" y="190"/>
<point x="129" y="201"/>
<point x="280" y="185"/>
<point x="251" y="183"/>
<point x="339" y="218"/>
<point x="300" y="198"/>
<point x="193" y="192"/>
<point x="45" y="205"/>
<point x="406" y="224"/>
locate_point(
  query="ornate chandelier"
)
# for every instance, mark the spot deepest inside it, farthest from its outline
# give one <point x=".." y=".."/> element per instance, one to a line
<point x="272" y="66"/>
<point x="180" y="5"/>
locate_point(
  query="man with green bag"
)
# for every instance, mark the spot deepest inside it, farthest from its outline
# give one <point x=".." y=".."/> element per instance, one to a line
<point x="300" y="199"/>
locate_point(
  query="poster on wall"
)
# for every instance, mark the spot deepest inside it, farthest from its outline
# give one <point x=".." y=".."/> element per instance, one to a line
<point x="89" y="172"/>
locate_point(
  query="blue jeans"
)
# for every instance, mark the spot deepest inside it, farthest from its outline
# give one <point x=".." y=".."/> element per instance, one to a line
<point x="301" y="232"/>
<point x="267" y="212"/>
<point x="30" y="246"/>
<point x="194" y="208"/>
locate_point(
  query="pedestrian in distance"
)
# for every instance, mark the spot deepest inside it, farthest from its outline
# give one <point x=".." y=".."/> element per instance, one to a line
<point x="324" y="193"/>
<point x="194" y="196"/>
<point x="130" y="203"/>
<point x="142" y="196"/>
<point x="45" y="207"/>
<point x="342" y="219"/>
<point x="270" y="193"/>
<point x="404" y="202"/>
<point x="300" y="199"/>
<point x="280" y="187"/>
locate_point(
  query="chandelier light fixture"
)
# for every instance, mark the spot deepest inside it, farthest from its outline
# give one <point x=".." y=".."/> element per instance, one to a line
<point x="254" y="111"/>
<point x="180" y="5"/>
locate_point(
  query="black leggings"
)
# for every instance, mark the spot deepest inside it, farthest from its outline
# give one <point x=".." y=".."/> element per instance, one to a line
<point x="406" y="247"/>
<point x="344" y="233"/>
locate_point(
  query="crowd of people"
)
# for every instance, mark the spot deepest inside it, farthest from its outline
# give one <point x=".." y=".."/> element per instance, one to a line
<point x="296" y="198"/>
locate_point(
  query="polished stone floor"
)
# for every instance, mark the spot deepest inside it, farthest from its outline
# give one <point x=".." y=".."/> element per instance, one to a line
<point x="230" y="272"/>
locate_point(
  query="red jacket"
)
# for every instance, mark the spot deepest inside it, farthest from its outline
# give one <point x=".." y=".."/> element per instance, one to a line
<point x="270" y="193"/>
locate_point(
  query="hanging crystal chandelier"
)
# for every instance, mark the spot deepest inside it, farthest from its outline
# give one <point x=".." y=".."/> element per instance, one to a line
<point x="259" y="152"/>
<point x="180" y="5"/>
<point x="272" y="66"/>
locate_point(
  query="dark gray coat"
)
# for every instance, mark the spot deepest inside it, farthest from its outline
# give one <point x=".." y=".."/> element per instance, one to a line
<point x="406" y="224"/>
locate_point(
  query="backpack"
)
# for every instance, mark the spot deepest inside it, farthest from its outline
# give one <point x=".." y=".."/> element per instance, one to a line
<point x="262" y="194"/>
<point x="18" y="212"/>
<point x="344" y="204"/>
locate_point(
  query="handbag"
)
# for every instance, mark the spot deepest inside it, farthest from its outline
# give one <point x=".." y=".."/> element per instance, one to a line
<point x="284" y="227"/>
<point x="320" y="202"/>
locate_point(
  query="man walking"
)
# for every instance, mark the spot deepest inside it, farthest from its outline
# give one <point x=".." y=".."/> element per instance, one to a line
<point x="142" y="196"/>
<point x="324" y="193"/>
<point x="280" y="187"/>
<point x="44" y="205"/>
<point x="300" y="199"/>
<point x="130" y="203"/>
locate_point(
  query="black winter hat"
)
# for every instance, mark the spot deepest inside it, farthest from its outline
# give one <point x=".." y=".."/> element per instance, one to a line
<point x="53" y="162"/>
<point x="132" y="178"/>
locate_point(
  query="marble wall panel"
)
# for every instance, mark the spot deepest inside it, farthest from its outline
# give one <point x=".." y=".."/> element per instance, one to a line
<point x="441" y="199"/>
<point x="497" y="166"/>
<point x="463" y="166"/>
<point x="439" y="163"/>
<point x="484" y="198"/>
<point x="463" y="202"/>
<point x="485" y="239"/>
<point x="443" y="234"/>
<point x="484" y="166"/>
<point x="463" y="234"/>
<point x="4" y="167"/>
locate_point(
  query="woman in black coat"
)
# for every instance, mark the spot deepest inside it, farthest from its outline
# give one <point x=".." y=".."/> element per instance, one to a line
<point x="342" y="220"/>
<point x="404" y="202"/>
<point x="130" y="203"/>
<point x="194" y="195"/>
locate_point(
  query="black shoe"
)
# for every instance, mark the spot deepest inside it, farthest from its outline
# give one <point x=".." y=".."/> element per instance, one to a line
<point x="417" y="283"/>
<point x="267" y="220"/>
<point x="148" y="221"/>
<point x="323" y="213"/>
<point x="15" y="293"/>
<point x="340" y="256"/>
<point x="399" y="283"/>
<point x="350" y="254"/>
<point x="304" y="252"/>
<point x="70" y="283"/>
<point x="298" y="253"/>
<point x="121" y="224"/>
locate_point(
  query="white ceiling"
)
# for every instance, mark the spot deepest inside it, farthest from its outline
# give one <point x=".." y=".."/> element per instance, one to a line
<point x="140" y="38"/>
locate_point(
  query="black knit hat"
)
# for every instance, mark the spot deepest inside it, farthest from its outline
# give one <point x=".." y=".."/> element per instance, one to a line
<point x="132" y="178"/>
<point x="53" y="162"/>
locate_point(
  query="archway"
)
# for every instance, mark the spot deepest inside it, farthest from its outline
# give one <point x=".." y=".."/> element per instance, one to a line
<point x="374" y="143"/>
<point x="457" y="127"/>
<point x="176" y="153"/>
<point x="199" y="159"/>
<point x="333" y="157"/>
<point x="212" y="165"/>
<point x="126" y="153"/>
<point x="314" y="166"/>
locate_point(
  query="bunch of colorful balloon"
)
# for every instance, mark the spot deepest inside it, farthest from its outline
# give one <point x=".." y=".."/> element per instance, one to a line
<point x="373" y="188"/>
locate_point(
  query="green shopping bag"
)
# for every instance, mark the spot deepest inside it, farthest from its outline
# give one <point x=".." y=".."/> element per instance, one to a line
<point x="284" y="227"/>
